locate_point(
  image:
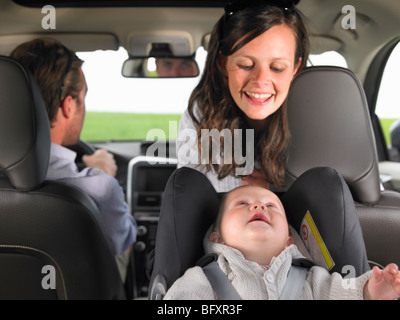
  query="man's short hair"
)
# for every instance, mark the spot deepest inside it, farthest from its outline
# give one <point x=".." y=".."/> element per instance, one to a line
<point x="55" y="68"/>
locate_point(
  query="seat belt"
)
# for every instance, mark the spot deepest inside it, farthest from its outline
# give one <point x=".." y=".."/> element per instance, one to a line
<point x="220" y="283"/>
<point x="225" y="290"/>
<point x="294" y="283"/>
<point x="296" y="277"/>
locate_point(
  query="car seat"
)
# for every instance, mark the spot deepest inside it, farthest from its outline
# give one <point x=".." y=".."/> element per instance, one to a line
<point x="190" y="206"/>
<point x="51" y="244"/>
<point x="330" y="126"/>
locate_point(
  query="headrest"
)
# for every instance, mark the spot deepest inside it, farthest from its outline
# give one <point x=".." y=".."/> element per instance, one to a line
<point x="330" y="126"/>
<point x="24" y="127"/>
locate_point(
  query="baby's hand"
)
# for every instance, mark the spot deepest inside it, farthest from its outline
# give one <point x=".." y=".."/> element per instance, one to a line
<point x="383" y="284"/>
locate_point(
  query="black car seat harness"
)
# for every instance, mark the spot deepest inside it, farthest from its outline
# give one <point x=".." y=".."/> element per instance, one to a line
<point x="225" y="290"/>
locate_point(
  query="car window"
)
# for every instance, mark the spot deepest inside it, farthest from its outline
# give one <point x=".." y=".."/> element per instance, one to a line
<point x="328" y="58"/>
<point x="119" y="108"/>
<point x="387" y="105"/>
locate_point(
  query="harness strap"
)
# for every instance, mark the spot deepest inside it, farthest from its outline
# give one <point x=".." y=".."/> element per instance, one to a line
<point x="225" y="290"/>
<point x="220" y="283"/>
<point x="294" y="283"/>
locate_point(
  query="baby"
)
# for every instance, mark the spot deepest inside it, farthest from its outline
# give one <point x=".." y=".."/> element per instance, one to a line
<point x="255" y="251"/>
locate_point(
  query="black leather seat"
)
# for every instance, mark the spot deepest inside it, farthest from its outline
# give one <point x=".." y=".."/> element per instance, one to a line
<point x="51" y="244"/>
<point x="330" y="126"/>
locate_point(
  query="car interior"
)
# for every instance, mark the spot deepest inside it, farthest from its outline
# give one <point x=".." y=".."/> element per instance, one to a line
<point x="179" y="243"/>
<point x="31" y="205"/>
<point x="342" y="112"/>
<point x="317" y="108"/>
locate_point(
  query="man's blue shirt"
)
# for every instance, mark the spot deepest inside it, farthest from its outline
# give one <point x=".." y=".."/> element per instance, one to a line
<point x="118" y="223"/>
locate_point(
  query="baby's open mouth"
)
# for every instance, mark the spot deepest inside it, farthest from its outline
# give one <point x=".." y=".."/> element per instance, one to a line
<point x="259" y="217"/>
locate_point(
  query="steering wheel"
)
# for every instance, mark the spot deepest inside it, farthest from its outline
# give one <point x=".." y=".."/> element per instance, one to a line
<point x="81" y="148"/>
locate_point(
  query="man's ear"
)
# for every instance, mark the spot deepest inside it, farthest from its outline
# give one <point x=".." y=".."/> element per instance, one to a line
<point x="215" y="237"/>
<point x="66" y="107"/>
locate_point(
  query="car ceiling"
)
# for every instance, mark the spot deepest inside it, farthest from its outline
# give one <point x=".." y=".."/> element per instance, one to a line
<point x="89" y="25"/>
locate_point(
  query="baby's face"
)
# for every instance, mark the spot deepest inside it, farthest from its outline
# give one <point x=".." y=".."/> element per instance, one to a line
<point x="253" y="216"/>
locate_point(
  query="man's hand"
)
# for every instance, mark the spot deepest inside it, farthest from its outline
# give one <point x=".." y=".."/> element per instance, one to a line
<point x="101" y="159"/>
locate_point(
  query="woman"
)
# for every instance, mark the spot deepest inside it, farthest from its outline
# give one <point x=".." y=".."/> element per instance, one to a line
<point x="255" y="50"/>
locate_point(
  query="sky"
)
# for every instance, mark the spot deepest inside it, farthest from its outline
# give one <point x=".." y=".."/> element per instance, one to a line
<point x="388" y="104"/>
<point x="109" y="91"/>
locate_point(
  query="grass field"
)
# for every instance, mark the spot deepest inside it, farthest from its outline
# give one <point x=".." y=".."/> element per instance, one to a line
<point x="104" y="126"/>
<point x="385" y="124"/>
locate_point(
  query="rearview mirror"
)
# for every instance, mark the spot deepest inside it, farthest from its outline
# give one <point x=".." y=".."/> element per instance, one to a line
<point x="166" y="67"/>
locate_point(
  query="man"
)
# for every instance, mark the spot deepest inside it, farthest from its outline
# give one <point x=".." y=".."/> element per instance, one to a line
<point x="62" y="83"/>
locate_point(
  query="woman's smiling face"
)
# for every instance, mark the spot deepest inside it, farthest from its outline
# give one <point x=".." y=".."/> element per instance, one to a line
<point x="260" y="73"/>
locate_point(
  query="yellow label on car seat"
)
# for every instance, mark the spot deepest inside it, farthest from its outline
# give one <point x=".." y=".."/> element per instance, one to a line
<point x="314" y="243"/>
